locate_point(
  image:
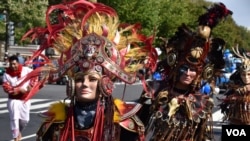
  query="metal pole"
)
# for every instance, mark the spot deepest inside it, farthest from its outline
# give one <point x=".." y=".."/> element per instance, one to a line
<point x="6" y="31"/>
<point x="6" y="38"/>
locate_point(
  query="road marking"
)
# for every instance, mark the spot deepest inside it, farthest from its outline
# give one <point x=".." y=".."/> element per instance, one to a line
<point x="27" y="137"/>
<point x="122" y="83"/>
<point x="37" y="105"/>
<point x="3" y="99"/>
<point x="3" y="105"/>
<point x="218" y="116"/>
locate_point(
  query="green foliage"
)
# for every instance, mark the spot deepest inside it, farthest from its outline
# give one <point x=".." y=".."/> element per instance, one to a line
<point x="26" y="14"/>
<point x="158" y="17"/>
<point x="145" y="12"/>
<point x="166" y="15"/>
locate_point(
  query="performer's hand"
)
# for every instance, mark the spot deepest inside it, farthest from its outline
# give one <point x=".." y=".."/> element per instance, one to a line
<point x="29" y="88"/>
<point x="33" y="81"/>
<point x="19" y="91"/>
<point x="7" y="88"/>
<point x="22" y="90"/>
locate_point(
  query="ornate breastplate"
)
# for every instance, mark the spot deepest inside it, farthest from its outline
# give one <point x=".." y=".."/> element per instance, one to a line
<point x="128" y="118"/>
<point x="83" y="135"/>
<point x="178" y="118"/>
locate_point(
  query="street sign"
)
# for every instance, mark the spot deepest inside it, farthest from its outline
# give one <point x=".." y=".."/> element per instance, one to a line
<point x="2" y="17"/>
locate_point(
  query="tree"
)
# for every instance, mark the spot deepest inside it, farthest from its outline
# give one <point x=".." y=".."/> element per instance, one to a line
<point x="166" y="15"/>
<point x="159" y="17"/>
<point x="25" y="14"/>
<point x="145" y="12"/>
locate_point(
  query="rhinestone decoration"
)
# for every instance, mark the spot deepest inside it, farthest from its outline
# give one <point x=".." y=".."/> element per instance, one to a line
<point x="99" y="59"/>
<point x="85" y="64"/>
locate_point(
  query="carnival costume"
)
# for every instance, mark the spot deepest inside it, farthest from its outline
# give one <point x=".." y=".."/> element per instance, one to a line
<point x="236" y="105"/>
<point x="89" y="37"/>
<point x="184" y="115"/>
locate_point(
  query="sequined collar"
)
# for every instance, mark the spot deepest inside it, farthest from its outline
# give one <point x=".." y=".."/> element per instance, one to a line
<point x="85" y="115"/>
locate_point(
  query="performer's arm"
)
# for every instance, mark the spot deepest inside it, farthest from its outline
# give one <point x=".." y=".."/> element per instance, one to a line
<point x="12" y="91"/>
<point x="9" y="89"/>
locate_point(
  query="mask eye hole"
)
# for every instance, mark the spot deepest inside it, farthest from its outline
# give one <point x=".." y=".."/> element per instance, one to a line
<point x="184" y="68"/>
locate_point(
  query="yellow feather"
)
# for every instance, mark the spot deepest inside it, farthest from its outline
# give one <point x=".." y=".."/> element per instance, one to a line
<point x="59" y="110"/>
<point x="95" y="24"/>
<point x="74" y="30"/>
<point x="116" y="117"/>
<point x="118" y="106"/>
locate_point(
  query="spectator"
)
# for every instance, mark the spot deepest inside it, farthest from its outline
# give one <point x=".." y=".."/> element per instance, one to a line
<point x="6" y="56"/>
<point x="37" y="63"/>
<point x="19" y="110"/>
<point x="21" y="59"/>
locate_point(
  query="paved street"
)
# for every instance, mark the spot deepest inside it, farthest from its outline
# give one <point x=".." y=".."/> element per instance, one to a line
<point x="52" y="93"/>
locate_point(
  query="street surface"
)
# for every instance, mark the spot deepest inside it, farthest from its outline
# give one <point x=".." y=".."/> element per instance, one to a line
<point x="52" y="93"/>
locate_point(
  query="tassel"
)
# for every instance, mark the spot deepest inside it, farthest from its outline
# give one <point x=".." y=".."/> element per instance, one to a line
<point x="69" y="124"/>
<point x="72" y="126"/>
<point x="99" y="123"/>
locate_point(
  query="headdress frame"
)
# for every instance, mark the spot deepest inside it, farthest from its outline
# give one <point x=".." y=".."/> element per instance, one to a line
<point x="89" y="36"/>
<point x="245" y="59"/>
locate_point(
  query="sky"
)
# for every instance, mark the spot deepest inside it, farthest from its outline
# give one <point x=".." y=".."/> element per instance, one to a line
<point x="240" y="9"/>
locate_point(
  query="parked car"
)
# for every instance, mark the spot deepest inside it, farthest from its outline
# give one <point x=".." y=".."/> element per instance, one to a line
<point x="62" y="80"/>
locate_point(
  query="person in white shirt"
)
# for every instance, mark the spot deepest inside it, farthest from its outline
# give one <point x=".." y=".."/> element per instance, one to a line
<point x="17" y="91"/>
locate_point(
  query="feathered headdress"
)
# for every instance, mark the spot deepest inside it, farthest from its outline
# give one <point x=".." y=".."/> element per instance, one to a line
<point x="214" y="15"/>
<point x="245" y="59"/>
<point x="88" y="36"/>
<point x="196" y="49"/>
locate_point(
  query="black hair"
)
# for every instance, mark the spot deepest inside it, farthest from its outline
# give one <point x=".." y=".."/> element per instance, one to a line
<point x="236" y="79"/>
<point x="13" y="58"/>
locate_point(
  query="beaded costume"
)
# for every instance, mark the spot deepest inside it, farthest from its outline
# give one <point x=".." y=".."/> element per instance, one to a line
<point x="89" y="37"/>
<point x="186" y="114"/>
<point x="236" y="104"/>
